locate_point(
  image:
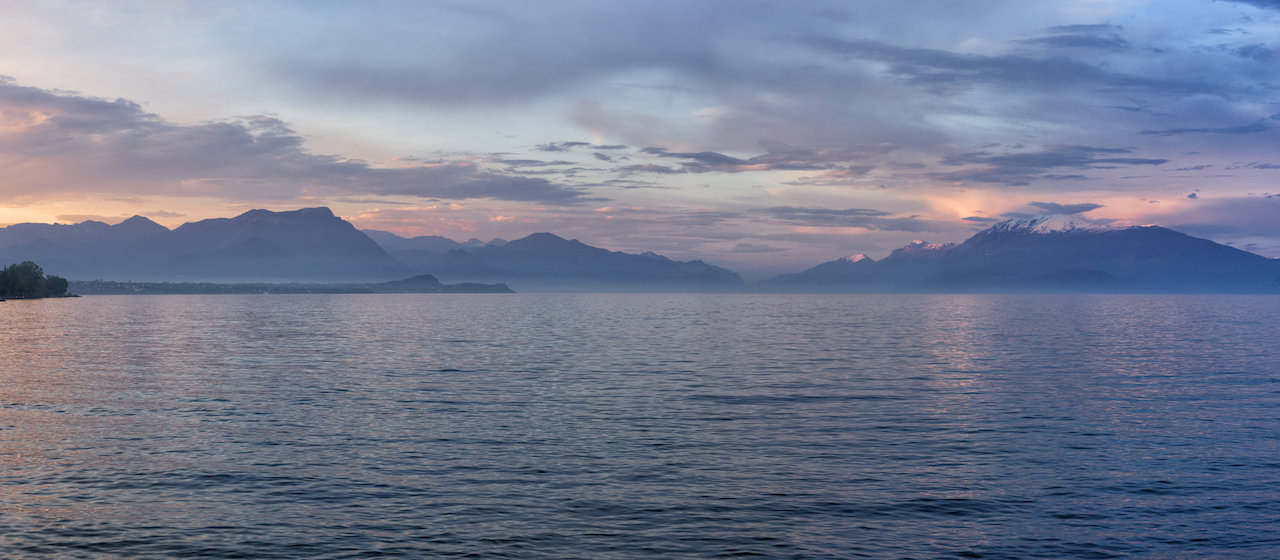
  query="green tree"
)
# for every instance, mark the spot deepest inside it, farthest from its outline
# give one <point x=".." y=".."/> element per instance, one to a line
<point x="25" y="279"/>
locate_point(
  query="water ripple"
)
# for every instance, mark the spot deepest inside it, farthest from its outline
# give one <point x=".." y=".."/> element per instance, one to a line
<point x="640" y="426"/>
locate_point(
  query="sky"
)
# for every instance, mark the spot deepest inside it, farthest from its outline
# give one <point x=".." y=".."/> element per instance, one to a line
<point x="762" y="136"/>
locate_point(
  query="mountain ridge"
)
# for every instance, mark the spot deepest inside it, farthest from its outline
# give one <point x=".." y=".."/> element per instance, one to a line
<point x="314" y="245"/>
<point x="1051" y="253"/>
<point x="544" y="261"/>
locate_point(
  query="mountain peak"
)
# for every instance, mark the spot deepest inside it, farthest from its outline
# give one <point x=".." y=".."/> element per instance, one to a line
<point x="542" y="237"/>
<point x="856" y="258"/>
<point x="1051" y="223"/>
<point x="319" y="212"/>
<point x="919" y="246"/>
<point x="543" y="240"/>
<point x="140" y="224"/>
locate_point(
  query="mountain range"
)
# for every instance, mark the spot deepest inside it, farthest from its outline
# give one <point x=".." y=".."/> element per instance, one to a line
<point x="1059" y="252"/>
<point x="307" y="244"/>
<point x="314" y="245"/>
<point x="1065" y="253"/>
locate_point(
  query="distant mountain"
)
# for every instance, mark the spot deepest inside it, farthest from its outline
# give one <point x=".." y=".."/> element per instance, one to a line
<point x="393" y="243"/>
<point x="845" y="270"/>
<point x="306" y="244"/>
<point x="1055" y="253"/>
<point x="88" y="234"/>
<point x="544" y="261"/>
<point x="77" y="249"/>
<point x="433" y="253"/>
<point x="313" y="245"/>
<point x="301" y="245"/>
<point x="545" y="258"/>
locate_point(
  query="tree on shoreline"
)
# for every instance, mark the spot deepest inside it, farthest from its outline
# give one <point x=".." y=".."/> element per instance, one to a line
<point x="27" y="280"/>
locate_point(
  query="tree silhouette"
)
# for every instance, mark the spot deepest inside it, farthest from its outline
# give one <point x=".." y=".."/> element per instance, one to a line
<point x="56" y="285"/>
<point x="27" y="280"/>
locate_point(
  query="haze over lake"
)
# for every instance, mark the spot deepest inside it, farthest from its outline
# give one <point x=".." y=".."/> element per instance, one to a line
<point x="641" y="426"/>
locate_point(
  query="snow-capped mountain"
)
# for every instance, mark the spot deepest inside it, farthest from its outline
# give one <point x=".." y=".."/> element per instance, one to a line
<point x="1051" y="223"/>
<point x="1052" y="252"/>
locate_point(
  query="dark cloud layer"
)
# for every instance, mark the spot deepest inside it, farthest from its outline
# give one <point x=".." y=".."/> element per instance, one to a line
<point x="1270" y="4"/>
<point x="827" y="82"/>
<point x="1022" y="168"/>
<point x="831" y="77"/>
<point x="84" y="144"/>
<point x="771" y="72"/>
<point x="756" y="248"/>
<point x="1253" y="128"/>
<point x="944" y="69"/>
<point x="778" y="158"/>
<point x="1097" y="36"/>
<point x="1056" y="208"/>
<point x="848" y="217"/>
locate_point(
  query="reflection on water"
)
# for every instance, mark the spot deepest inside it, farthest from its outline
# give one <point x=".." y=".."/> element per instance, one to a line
<point x="640" y="426"/>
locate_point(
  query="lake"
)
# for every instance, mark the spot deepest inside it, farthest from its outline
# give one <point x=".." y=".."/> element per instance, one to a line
<point x="640" y="426"/>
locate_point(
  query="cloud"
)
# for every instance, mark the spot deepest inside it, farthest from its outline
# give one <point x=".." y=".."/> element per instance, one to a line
<point x="1269" y="4"/>
<point x="838" y="175"/>
<point x="1056" y="208"/>
<point x="1022" y="168"/>
<point x="55" y="143"/>
<point x="162" y="214"/>
<point x="460" y="181"/>
<point x="1239" y="220"/>
<point x="802" y="78"/>
<point x="514" y="163"/>
<point x="945" y="69"/>
<point x="849" y="217"/>
<point x="469" y="55"/>
<point x="1257" y="52"/>
<point x="709" y="159"/>
<point x="652" y="168"/>
<point x="1254" y="128"/>
<point x="779" y="157"/>
<point x="1097" y="36"/>
<point x="981" y="219"/>
<point x="560" y="146"/>
<point x="1080" y="42"/>
<point x="756" y="248"/>
<point x="1253" y="165"/>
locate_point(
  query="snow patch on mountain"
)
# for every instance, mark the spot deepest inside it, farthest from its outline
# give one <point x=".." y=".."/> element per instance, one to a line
<point x="919" y="246"/>
<point x="1052" y="223"/>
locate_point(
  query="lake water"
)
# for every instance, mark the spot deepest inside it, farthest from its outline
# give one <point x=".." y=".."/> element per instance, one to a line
<point x="640" y="426"/>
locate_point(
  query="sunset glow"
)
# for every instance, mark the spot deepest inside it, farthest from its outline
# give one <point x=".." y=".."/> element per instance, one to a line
<point x="702" y="129"/>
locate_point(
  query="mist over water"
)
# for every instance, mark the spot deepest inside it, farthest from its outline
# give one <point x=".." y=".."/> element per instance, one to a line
<point x="641" y="426"/>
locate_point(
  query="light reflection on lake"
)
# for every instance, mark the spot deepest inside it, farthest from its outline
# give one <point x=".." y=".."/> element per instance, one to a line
<point x="641" y="426"/>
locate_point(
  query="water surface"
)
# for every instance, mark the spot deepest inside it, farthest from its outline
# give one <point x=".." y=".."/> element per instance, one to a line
<point x="640" y="426"/>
